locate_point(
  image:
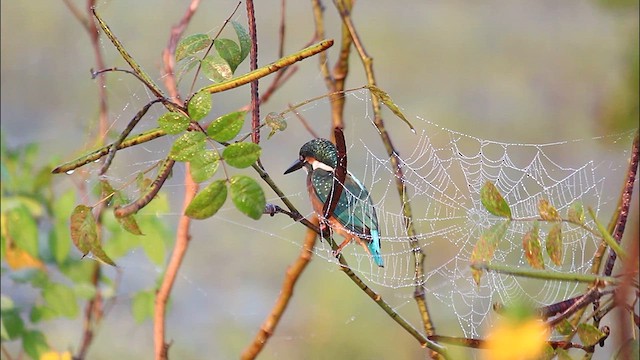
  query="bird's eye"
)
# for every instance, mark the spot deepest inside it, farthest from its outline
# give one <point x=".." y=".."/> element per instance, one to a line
<point x="301" y="158"/>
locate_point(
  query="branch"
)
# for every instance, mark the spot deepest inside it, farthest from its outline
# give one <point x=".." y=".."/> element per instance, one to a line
<point x="624" y="203"/>
<point x="419" y="256"/>
<point x="253" y="63"/>
<point x="179" y="250"/>
<point x="215" y="88"/>
<point x="161" y="347"/>
<point x="292" y="275"/>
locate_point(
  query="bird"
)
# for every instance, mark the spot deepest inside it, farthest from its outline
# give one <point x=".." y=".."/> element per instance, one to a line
<point x="354" y="216"/>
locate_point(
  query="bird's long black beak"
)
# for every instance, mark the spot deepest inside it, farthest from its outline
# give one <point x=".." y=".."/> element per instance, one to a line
<point x="295" y="166"/>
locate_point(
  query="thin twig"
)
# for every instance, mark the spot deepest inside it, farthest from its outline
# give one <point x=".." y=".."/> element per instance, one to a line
<point x="624" y="202"/>
<point x="168" y="60"/>
<point x="393" y="154"/>
<point x="253" y="63"/>
<point x="161" y="347"/>
<point x="291" y="277"/>
<point x="150" y="192"/>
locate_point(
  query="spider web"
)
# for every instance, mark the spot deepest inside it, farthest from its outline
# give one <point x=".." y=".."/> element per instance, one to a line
<point x="444" y="171"/>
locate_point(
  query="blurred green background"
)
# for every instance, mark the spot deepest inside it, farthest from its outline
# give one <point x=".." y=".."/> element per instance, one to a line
<point x="512" y="71"/>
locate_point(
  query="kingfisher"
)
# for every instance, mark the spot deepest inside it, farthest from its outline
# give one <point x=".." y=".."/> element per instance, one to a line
<point x="354" y="216"/>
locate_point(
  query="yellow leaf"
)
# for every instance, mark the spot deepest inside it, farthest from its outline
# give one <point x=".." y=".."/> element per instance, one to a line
<point x="54" y="355"/>
<point x="511" y="340"/>
<point x="19" y="259"/>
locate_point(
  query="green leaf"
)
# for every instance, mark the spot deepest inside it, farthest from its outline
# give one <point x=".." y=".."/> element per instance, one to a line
<point x="199" y="105"/>
<point x="100" y="254"/>
<point x="22" y="229"/>
<point x="486" y="246"/>
<point x="130" y="224"/>
<point x="547" y="211"/>
<point x="564" y="327"/>
<point x="34" y="344"/>
<point x="187" y="146"/>
<point x="142" y="306"/>
<point x="155" y="249"/>
<point x="554" y="244"/>
<point x="241" y="155"/>
<point x="276" y="122"/>
<point x="59" y="243"/>
<point x="216" y="69"/>
<point x="11" y="324"/>
<point x="388" y="102"/>
<point x="204" y="165"/>
<point x="247" y="196"/>
<point x="243" y="38"/>
<point x="85" y="290"/>
<point x="563" y="354"/>
<point x="191" y="45"/>
<point x="227" y="126"/>
<point x="41" y="313"/>
<point x="533" y="248"/>
<point x="576" y="213"/>
<point x="208" y="201"/>
<point x="589" y="334"/>
<point x="83" y="228"/>
<point x="173" y="122"/>
<point x="229" y="51"/>
<point x="61" y="299"/>
<point x="493" y="201"/>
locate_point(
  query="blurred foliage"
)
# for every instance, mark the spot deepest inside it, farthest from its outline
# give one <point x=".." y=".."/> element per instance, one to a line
<point x="36" y="252"/>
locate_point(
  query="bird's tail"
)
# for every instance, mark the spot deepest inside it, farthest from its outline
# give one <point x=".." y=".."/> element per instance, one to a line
<point x="374" y="247"/>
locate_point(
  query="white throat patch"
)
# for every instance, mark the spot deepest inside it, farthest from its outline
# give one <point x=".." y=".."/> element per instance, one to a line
<point x="315" y="164"/>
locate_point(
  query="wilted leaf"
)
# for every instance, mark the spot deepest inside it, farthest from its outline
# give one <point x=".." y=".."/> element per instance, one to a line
<point x="547" y="211"/>
<point x="533" y="248"/>
<point x="493" y="201"/>
<point x="19" y="259"/>
<point x="576" y="213"/>
<point x="191" y="45"/>
<point x="554" y="244"/>
<point x="208" y="201"/>
<point x="589" y="334"/>
<point x="275" y="122"/>
<point x="187" y="146"/>
<point x="388" y="102"/>
<point x="130" y="224"/>
<point x="486" y="246"/>
<point x="241" y="155"/>
<point x="227" y="126"/>
<point x="216" y="69"/>
<point x="173" y="122"/>
<point x="204" y="165"/>
<point x="247" y="196"/>
<point x="83" y="228"/>
<point x="199" y="105"/>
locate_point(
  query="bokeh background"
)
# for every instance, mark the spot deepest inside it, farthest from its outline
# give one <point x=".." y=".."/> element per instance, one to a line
<point x="512" y="71"/>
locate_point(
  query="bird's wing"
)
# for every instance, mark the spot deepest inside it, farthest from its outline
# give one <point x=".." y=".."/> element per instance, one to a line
<point x="355" y="209"/>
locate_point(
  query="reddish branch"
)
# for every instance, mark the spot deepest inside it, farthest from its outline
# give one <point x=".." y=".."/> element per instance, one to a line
<point x="291" y="277"/>
<point x="161" y="347"/>
<point x="253" y="55"/>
